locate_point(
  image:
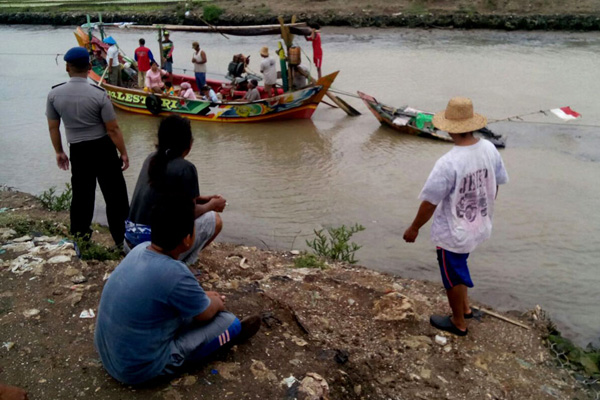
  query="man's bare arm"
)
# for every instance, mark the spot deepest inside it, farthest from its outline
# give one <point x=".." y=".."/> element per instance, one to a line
<point x="115" y="134"/>
<point x="424" y="214"/>
<point x="61" y="158"/>
<point x="216" y="305"/>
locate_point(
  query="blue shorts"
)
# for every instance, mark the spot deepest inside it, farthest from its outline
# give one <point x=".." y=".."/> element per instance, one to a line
<point x="454" y="269"/>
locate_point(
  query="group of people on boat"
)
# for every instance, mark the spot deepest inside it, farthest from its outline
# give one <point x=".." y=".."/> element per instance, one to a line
<point x="151" y="77"/>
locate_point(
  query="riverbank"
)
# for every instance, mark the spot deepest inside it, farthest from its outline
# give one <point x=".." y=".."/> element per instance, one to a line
<point x="364" y="334"/>
<point x="489" y="14"/>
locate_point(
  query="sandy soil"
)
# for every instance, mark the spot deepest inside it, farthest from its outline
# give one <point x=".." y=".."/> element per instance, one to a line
<point x="365" y="334"/>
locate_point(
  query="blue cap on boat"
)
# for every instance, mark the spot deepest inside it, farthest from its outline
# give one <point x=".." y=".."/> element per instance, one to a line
<point x="77" y="55"/>
<point x="110" y="40"/>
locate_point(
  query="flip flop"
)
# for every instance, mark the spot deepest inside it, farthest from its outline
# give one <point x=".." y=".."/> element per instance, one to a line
<point x="477" y="314"/>
<point x="445" y="324"/>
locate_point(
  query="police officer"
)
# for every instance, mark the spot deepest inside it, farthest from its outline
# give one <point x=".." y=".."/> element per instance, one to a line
<point x="94" y="136"/>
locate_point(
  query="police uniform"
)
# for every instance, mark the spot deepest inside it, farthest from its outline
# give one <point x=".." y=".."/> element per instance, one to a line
<point x="84" y="109"/>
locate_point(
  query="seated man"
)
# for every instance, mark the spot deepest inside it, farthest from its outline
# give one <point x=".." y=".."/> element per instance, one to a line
<point x="301" y="76"/>
<point x="208" y="94"/>
<point x="252" y="94"/>
<point x="154" y="318"/>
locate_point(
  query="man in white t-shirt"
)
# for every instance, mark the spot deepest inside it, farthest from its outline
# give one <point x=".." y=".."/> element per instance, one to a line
<point x="268" y="68"/>
<point x="459" y="194"/>
<point x="112" y="61"/>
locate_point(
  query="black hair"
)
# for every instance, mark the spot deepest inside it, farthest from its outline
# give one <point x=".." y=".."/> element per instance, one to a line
<point x="79" y="66"/>
<point x="314" y="25"/>
<point x="142" y="41"/>
<point x="174" y="139"/>
<point x="254" y="82"/>
<point x="168" y="84"/>
<point x="205" y="88"/>
<point x="153" y="62"/>
<point x="171" y="219"/>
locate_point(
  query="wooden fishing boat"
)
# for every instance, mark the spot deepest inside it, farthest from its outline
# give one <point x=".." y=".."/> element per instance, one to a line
<point x="297" y="104"/>
<point x="411" y="121"/>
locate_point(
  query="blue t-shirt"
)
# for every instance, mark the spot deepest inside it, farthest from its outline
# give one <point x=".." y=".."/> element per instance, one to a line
<point x="145" y="300"/>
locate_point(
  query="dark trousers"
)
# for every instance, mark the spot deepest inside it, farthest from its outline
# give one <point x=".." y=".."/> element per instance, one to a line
<point x="97" y="160"/>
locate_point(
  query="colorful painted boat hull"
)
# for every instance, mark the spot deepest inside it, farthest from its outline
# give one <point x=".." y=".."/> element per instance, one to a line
<point x="299" y="104"/>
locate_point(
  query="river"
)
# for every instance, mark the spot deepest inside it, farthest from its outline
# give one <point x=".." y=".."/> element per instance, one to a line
<point x="284" y="179"/>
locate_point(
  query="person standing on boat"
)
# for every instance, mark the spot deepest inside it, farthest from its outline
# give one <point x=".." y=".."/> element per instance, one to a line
<point x="112" y="61"/>
<point x="199" y="61"/>
<point x="167" y="53"/>
<point x="459" y="194"/>
<point x="94" y="137"/>
<point x="144" y="57"/>
<point x="252" y="94"/>
<point x="268" y="67"/>
<point x="315" y="38"/>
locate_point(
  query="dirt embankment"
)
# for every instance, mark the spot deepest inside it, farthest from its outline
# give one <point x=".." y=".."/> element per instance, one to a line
<point x="340" y="333"/>
<point x="580" y="15"/>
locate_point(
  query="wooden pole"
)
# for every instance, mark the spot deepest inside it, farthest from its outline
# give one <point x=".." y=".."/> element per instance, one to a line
<point x="502" y="317"/>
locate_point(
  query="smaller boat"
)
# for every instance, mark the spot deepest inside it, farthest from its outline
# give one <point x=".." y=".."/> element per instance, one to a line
<point x="418" y="123"/>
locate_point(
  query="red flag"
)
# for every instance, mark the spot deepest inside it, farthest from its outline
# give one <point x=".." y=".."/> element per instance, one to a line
<point x="565" y="113"/>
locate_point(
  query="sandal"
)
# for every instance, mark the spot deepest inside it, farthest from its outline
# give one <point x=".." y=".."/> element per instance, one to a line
<point x="445" y="324"/>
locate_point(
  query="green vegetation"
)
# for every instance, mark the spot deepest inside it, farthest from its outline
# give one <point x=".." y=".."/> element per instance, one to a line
<point x="417" y="7"/>
<point x="570" y="356"/>
<point x="309" y="261"/>
<point x="26" y="226"/>
<point x="93" y="251"/>
<point x="336" y="245"/>
<point x="57" y="202"/>
<point x="212" y="13"/>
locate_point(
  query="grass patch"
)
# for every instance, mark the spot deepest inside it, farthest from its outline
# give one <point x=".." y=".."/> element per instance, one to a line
<point x="417" y="7"/>
<point x="212" y="13"/>
<point x="307" y="260"/>
<point x="335" y="244"/>
<point x="93" y="251"/>
<point x="57" y="202"/>
<point x="27" y="226"/>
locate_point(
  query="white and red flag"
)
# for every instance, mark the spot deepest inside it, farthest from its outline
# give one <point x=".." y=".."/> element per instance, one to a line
<point x="565" y="113"/>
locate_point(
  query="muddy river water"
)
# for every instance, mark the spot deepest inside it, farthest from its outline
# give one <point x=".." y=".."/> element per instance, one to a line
<point x="284" y="179"/>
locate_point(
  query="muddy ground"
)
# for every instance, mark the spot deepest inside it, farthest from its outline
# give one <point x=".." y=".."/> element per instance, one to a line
<point x="344" y="332"/>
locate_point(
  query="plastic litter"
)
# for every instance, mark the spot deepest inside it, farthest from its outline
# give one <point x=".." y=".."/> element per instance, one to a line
<point x="89" y="313"/>
<point x="289" y="381"/>
<point x="441" y="340"/>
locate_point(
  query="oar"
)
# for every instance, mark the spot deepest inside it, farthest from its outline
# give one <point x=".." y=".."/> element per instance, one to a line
<point x="347" y="108"/>
<point x="329" y="104"/>
<point x="102" y="77"/>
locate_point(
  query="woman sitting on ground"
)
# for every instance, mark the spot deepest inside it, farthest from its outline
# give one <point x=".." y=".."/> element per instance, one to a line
<point x="166" y="172"/>
<point x="186" y="91"/>
<point x="154" y="77"/>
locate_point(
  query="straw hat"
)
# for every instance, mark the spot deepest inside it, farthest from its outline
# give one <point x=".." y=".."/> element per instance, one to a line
<point x="264" y="51"/>
<point x="458" y="117"/>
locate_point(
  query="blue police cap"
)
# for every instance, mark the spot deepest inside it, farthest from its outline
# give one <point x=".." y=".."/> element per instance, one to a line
<point x="77" y="55"/>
